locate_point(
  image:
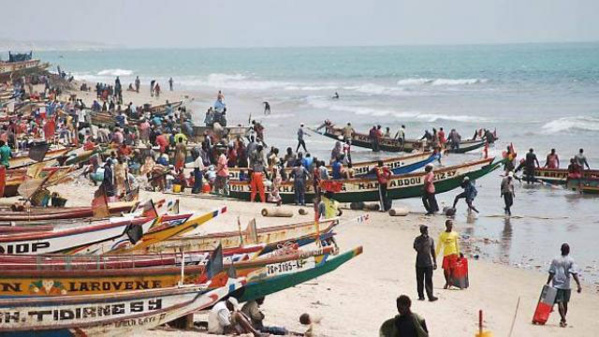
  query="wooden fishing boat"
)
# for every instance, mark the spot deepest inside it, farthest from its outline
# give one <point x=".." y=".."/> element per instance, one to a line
<point x="64" y="262"/>
<point x="114" y="314"/>
<point x="122" y="233"/>
<point x="16" y="177"/>
<point x="24" y="160"/>
<point x="37" y="214"/>
<point x="589" y="185"/>
<point x="399" y="187"/>
<point x="272" y="237"/>
<point x="166" y="230"/>
<point x="560" y="176"/>
<point x="394" y="145"/>
<point x="264" y="287"/>
<point x="398" y="165"/>
<point x="161" y="109"/>
<point x="65" y="239"/>
<point x="468" y="145"/>
<point x="363" y="140"/>
<point x="45" y="283"/>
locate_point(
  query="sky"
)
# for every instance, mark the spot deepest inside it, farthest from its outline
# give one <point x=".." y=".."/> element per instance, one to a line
<point x="283" y="23"/>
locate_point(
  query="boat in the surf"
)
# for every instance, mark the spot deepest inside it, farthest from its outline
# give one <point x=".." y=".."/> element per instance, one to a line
<point x="281" y="280"/>
<point x="560" y="176"/>
<point x="398" y="165"/>
<point x="585" y="185"/>
<point x="110" y="314"/>
<point x="399" y="186"/>
<point x="394" y="145"/>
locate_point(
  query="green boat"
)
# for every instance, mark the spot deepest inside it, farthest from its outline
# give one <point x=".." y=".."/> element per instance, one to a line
<point x="399" y="187"/>
<point x="584" y="185"/>
<point x="467" y="146"/>
<point x="254" y="290"/>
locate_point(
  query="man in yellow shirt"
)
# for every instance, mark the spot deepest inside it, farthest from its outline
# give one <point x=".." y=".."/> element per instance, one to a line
<point x="451" y="250"/>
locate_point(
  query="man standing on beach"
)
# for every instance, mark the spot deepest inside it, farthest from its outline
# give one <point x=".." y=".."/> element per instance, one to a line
<point x="152" y="87"/>
<point x="137" y="84"/>
<point x="299" y="175"/>
<point x="300" y="138"/>
<point x="266" y="108"/>
<point x="507" y="192"/>
<point x="406" y="324"/>
<point x="559" y="274"/>
<point x="170" y="83"/>
<point x="257" y="163"/>
<point x="582" y="160"/>
<point x="451" y="250"/>
<point x="383" y="174"/>
<point x="426" y="262"/>
<point x="428" y="194"/>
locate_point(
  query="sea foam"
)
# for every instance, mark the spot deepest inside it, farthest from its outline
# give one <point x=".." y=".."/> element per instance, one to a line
<point x="571" y="123"/>
<point x="441" y="81"/>
<point x="115" y="72"/>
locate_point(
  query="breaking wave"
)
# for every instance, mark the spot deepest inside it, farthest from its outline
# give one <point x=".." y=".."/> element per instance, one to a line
<point x="572" y="123"/>
<point x="405" y="115"/>
<point x="231" y="81"/>
<point x="441" y="81"/>
<point x="115" y="72"/>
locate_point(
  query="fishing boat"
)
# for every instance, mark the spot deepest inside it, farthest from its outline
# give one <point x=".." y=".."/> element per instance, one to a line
<point x="42" y="214"/>
<point x="161" y="109"/>
<point x="399" y="186"/>
<point x="16" y="177"/>
<point x="560" y="176"/>
<point x="119" y="235"/>
<point x="24" y="160"/>
<point x="113" y="314"/>
<point x="398" y="165"/>
<point x="272" y="237"/>
<point x="281" y="280"/>
<point x="19" y="65"/>
<point x="394" y="145"/>
<point x="588" y="185"/>
<point x="47" y="283"/>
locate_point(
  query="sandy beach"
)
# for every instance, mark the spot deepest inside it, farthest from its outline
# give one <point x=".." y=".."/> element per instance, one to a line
<point x="359" y="296"/>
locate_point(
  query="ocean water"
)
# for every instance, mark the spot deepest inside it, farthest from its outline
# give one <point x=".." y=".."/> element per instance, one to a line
<point x="539" y="96"/>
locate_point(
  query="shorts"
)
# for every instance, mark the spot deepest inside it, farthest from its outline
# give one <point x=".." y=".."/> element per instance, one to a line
<point x="450" y="261"/>
<point x="563" y="295"/>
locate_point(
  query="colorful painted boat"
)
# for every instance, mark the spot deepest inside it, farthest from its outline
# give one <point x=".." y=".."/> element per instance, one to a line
<point x="24" y="160"/>
<point x="560" y="176"/>
<point x="272" y="237"/>
<point x="399" y="165"/>
<point x="119" y="234"/>
<point x="37" y="214"/>
<point x="584" y="185"/>
<point x="116" y="314"/>
<point x="468" y="145"/>
<point x="16" y="177"/>
<point x="264" y="287"/>
<point x="363" y="140"/>
<point x="167" y="230"/>
<point x="399" y="187"/>
<point x="47" y="283"/>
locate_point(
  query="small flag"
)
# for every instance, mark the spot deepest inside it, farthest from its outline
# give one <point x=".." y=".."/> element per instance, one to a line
<point x="100" y="203"/>
<point x="251" y="232"/>
<point x="38" y="151"/>
<point x="215" y="263"/>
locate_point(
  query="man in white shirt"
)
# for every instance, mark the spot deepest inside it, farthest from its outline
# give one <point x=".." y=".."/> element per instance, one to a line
<point x="559" y="274"/>
<point x="226" y="317"/>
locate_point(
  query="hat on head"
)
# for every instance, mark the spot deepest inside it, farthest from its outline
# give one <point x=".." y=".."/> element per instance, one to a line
<point x="510" y="174"/>
<point x="466" y="178"/>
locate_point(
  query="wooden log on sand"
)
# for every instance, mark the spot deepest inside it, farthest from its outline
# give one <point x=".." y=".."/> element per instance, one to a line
<point x="399" y="211"/>
<point x="359" y="205"/>
<point x="278" y="212"/>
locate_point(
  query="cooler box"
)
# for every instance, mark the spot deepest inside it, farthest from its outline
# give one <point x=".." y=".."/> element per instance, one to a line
<point x="460" y="274"/>
<point x="545" y="305"/>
